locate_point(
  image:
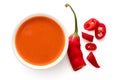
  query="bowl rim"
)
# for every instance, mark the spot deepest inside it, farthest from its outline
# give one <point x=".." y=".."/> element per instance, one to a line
<point x="20" y="59"/>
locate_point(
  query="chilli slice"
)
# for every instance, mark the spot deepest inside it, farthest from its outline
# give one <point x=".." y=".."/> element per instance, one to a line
<point x="87" y="36"/>
<point x="91" y="58"/>
<point x="91" y="46"/>
<point x="91" y="24"/>
<point x="100" y="31"/>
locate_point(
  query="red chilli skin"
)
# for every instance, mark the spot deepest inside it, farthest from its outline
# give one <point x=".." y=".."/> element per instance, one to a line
<point x="91" y="58"/>
<point x="76" y="58"/>
<point x="87" y="36"/>
<point x="77" y="63"/>
<point x="74" y="41"/>
<point x="74" y="52"/>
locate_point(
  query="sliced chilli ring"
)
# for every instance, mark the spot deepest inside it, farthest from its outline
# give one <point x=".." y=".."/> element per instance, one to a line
<point x="91" y="46"/>
<point x="100" y="31"/>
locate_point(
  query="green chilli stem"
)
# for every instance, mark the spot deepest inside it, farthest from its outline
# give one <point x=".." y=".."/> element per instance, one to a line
<point x="76" y="27"/>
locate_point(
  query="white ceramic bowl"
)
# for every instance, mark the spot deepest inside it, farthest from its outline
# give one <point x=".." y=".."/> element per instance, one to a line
<point x="54" y="62"/>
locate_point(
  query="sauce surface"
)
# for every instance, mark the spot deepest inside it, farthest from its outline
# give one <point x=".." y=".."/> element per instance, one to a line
<point x="40" y="40"/>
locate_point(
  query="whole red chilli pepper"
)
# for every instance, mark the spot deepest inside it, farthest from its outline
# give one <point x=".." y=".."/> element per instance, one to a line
<point x="74" y="53"/>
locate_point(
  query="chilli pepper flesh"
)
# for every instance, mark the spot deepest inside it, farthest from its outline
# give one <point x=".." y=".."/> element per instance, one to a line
<point x="74" y="52"/>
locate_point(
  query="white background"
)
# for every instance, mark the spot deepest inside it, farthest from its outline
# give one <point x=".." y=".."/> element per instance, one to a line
<point x="108" y="49"/>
